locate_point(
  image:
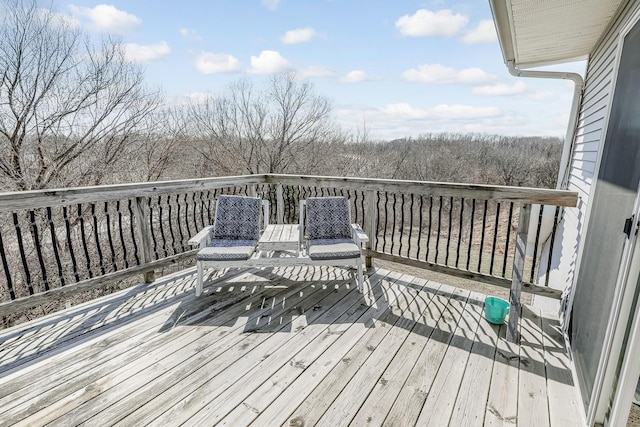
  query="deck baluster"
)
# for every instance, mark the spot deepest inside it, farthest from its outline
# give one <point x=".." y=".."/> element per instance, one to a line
<point x="446" y="260"/>
<point x="551" y="244"/>
<point x="170" y="223"/>
<point x="96" y="236"/>
<point x="5" y="267"/>
<point x="410" y="227"/>
<point x="83" y="239"/>
<point x="472" y="218"/>
<point x="536" y="249"/>
<point x="114" y="260"/>
<point x="426" y="257"/>
<point x="508" y="239"/>
<point x="370" y="218"/>
<point x="439" y="229"/>
<point x="460" y="222"/>
<point x="72" y="254"/>
<point x="482" y="233"/>
<point x="401" y="229"/>
<point x="495" y="238"/>
<point x="178" y="216"/>
<point x="23" y="258"/>
<point x="161" y="222"/>
<point x="36" y="241"/>
<point x="153" y="221"/>
<point x="419" y="228"/>
<point x="132" y="229"/>
<point x="54" y="243"/>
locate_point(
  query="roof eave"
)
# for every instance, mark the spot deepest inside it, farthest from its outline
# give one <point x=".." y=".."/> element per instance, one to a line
<point x="503" y="28"/>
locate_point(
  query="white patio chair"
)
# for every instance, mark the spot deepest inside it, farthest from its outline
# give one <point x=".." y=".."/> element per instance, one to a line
<point x="232" y="237"/>
<point x="328" y="235"/>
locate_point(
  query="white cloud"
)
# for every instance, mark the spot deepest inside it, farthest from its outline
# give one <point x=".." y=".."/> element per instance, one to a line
<point x="216" y="63"/>
<point x="105" y="17"/>
<point x="442" y="111"/>
<point x="268" y="62"/>
<point x="485" y="32"/>
<point x="500" y="89"/>
<point x="403" y="119"/>
<point x="143" y="54"/>
<point x="271" y="4"/>
<point x="463" y="112"/>
<point x="439" y="74"/>
<point x="355" y="76"/>
<point x="425" y="23"/>
<point x="299" y="35"/>
<point x="315" y="71"/>
<point x="189" y="34"/>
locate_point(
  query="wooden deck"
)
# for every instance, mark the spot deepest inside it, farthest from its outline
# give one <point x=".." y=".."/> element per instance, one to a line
<point x="295" y="346"/>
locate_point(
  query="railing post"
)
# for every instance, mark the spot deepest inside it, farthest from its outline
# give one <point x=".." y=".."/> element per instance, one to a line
<point x="279" y="204"/>
<point x="518" y="272"/>
<point x="370" y="215"/>
<point x="144" y="234"/>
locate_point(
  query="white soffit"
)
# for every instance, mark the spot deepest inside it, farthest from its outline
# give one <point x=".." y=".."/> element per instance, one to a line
<point x="538" y="32"/>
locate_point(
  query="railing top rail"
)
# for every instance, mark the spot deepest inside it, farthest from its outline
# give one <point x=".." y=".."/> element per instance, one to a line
<point x="471" y="191"/>
<point x="66" y="196"/>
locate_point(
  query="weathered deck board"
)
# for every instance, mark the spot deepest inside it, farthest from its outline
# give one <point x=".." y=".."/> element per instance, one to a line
<point x="180" y="371"/>
<point x="285" y="346"/>
<point x="409" y="402"/>
<point x="469" y="409"/>
<point x="290" y="360"/>
<point x="563" y="401"/>
<point x="379" y="401"/>
<point x="316" y="403"/>
<point x="502" y="404"/>
<point x="353" y="396"/>
<point x="442" y="395"/>
<point x="533" y="406"/>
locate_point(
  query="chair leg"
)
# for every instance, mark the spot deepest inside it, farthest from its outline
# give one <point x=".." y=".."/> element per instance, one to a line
<point x="360" y="276"/>
<point x="199" y="280"/>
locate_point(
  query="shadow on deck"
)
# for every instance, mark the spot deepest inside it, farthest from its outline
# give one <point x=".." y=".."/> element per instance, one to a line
<point x="285" y="346"/>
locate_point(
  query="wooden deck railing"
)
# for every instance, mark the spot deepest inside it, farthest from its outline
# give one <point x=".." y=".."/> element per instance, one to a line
<point x="55" y="243"/>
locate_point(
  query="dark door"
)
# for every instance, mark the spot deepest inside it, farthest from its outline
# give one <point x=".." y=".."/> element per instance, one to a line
<point x="613" y="202"/>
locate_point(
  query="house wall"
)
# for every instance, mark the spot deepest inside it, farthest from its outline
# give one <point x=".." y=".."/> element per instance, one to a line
<point x="594" y="281"/>
<point x="590" y="134"/>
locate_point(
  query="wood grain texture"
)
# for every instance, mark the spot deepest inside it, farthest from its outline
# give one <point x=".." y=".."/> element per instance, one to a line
<point x="285" y="346"/>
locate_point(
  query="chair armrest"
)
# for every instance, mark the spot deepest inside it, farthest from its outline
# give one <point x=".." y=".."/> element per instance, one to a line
<point x="358" y="234"/>
<point x="203" y="237"/>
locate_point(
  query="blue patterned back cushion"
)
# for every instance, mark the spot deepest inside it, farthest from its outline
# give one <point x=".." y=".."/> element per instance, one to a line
<point x="237" y="218"/>
<point x="328" y="218"/>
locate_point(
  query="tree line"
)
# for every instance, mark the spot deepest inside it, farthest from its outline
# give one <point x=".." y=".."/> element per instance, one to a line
<point x="74" y="112"/>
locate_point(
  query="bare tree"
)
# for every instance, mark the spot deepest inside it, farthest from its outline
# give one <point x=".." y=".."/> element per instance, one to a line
<point x="251" y="131"/>
<point x="67" y="110"/>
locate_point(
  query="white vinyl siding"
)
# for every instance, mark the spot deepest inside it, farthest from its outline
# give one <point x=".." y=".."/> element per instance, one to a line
<point x="588" y="142"/>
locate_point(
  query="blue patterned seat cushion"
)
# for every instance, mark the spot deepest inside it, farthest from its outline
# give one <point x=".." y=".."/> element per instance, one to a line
<point x="328" y="218"/>
<point x="237" y="218"/>
<point x="329" y="249"/>
<point x="227" y="250"/>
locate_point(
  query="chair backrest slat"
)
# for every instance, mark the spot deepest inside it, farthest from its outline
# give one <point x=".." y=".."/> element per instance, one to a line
<point x="328" y="218"/>
<point x="237" y="218"/>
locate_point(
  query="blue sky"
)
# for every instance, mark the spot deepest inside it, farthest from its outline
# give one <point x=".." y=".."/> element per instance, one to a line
<point x="400" y="68"/>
